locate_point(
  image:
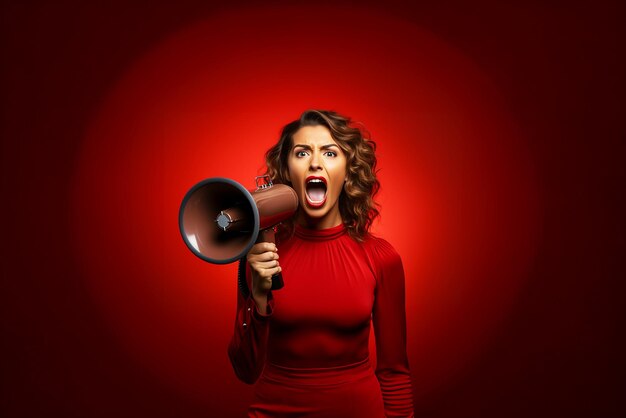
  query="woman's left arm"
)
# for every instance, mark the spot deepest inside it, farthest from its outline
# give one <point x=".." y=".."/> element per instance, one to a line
<point x="389" y="318"/>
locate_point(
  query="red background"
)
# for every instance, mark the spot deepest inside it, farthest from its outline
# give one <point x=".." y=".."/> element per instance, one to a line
<point x="500" y="140"/>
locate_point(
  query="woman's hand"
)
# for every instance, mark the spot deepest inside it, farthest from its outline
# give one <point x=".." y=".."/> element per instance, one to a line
<point x="263" y="260"/>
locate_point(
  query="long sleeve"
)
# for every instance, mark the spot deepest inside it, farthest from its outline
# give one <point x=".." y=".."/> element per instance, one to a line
<point x="248" y="346"/>
<point x="389" y="319"/>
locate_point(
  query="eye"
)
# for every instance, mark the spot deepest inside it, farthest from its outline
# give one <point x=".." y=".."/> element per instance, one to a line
<point x="331" y="154"/>
<point x="300" y="154"/>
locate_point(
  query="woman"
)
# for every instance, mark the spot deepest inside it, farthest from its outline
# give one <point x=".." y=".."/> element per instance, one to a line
<point x="307" y="344"/>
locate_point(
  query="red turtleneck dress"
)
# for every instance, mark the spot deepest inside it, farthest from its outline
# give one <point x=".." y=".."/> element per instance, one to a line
<point x="309" y="355"/>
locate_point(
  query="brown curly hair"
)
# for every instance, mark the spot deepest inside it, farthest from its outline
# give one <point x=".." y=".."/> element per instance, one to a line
<point x="356" y="201"/>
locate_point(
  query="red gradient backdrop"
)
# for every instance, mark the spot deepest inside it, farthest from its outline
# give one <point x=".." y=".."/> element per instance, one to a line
<point x="458" y="198"/>
<point x="501" y="142"/>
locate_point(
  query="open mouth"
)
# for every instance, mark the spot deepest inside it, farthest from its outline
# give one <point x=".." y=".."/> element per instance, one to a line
<point x="315" y="191"/>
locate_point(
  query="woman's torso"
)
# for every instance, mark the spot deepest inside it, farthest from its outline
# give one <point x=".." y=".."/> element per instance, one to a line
<point x="322" y="315"/>
<point x="318" y="359"/>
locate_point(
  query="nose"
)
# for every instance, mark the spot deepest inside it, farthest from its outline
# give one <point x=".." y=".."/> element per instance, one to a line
<point x="315" y="162"/>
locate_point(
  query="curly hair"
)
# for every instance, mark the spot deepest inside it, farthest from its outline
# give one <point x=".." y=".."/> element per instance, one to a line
<point x="356" y="201"/>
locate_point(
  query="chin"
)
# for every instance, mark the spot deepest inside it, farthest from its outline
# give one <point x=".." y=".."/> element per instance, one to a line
<point x="319" y="213"/>
<point x="315" y="213"/>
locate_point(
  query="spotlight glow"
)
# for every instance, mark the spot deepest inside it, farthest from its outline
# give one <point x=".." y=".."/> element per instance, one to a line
<point x="458" y="196"/>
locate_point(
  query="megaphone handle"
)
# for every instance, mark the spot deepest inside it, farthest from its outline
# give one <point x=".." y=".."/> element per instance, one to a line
<point x="269" y="235"/>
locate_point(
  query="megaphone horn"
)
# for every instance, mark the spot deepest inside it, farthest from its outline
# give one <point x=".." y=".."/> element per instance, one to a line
<point x="220" y="220"/>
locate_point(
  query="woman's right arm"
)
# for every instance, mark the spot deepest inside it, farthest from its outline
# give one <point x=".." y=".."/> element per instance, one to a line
<point x="247" y="347"/>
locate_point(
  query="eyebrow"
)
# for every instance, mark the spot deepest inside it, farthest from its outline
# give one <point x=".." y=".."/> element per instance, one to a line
<point x="327" y="146"/>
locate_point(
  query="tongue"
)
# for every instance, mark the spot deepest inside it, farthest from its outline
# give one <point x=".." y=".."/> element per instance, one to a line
<point x="316" y="193"/>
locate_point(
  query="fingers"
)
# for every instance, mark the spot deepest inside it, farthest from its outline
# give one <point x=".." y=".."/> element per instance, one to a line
<point x="266" y="270"/>
<point x="263" y="260"/>
<point x="261" y="284"/>
<point x="263" y="251"/>
<point x="274" y="271"/>
<point x="265" y="280"/>
<point x="267" y="256"/>
<point x="267" y="264"/>
<point x="262" y="247"/>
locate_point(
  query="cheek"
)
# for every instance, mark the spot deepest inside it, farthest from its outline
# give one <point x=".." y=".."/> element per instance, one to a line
<point x="291" y="171"/>
<point x="295" y="176"/>
<point x="339" y="171"/>
<point x="338" y="174"/>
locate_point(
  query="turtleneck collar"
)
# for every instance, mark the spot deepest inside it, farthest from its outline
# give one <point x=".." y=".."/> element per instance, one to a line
<point x="320" y="234"/>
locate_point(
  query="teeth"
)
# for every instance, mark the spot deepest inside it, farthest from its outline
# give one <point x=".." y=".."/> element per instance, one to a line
<point x="315" y="181"/>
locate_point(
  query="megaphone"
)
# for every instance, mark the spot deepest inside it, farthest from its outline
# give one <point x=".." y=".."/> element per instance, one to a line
<point x="220" y="220"/>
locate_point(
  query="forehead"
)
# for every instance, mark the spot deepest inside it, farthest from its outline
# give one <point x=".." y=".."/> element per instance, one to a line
<point x="313" y="135"/>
